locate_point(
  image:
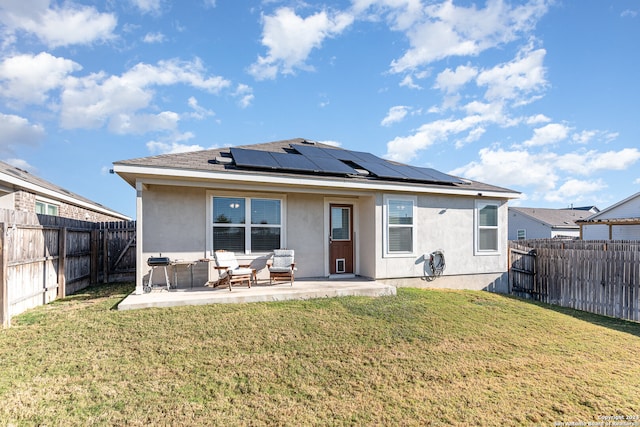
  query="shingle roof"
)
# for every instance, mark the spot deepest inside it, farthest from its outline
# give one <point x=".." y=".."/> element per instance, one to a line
<point x="554" y="217"/>
<point x="28" y="178"/>
<point x="205" y="161"/>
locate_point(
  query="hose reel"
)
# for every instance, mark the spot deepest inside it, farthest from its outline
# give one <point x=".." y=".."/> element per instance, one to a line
<point x="436" y="264"/>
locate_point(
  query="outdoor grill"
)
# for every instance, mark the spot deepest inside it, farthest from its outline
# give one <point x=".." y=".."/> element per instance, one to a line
<point x="157" y="261"/>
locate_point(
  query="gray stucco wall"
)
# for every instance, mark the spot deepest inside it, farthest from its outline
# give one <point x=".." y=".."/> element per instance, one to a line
<point x="175" y="224"/>
<point x="447" y="224"/>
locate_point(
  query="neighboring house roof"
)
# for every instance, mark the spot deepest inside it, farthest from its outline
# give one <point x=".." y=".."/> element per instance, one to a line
<point x="554" y="218"/>
<point x="605" y="214"/>
<point x="592" y="209"/>
<point x="208" y="164"/>
<point x="20" y="179"/>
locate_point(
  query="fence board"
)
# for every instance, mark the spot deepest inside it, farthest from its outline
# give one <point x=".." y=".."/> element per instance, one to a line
<point x="601" y="277"/>
<point x="43" y="258"/>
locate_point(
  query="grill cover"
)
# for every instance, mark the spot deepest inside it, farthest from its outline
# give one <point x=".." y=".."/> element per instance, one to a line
<point x="156" y="261"/>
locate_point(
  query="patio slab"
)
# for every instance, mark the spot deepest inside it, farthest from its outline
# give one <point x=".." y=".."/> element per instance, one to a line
<point x="302" y="289"/>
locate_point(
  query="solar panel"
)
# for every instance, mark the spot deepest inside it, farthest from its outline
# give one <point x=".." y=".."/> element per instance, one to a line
<point x="292" y="162"/>
<point x="311" y="151"/>
<point x="331" y="165"/>
<point x="382" y="170"/>
<point x="367" y="157"/>
<point x="295" y="162"/>
<point x="253" y="158"/>
<point x="331" y="161"/>
<point x="437" y="176"/>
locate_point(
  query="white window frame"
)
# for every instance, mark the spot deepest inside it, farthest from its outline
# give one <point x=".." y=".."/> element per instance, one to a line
<point x="247" y="225"/>
<point x="521" y="232"/>
<point x="47" y="205"/>
<point x="477" y="227"/>
<point x="385" y="220"/>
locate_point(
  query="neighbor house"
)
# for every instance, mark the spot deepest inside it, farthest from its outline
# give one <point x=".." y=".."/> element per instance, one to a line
<point x="620" y="221"/>
<point x="23" y="191"/>
<point x="345" y="213"/>
<point x="544" y="223"/>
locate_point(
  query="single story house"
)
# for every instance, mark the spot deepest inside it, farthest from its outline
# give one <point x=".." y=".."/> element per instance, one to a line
<point x="620" y="221"/>
<point x="544" y="223"/>
<point x="345" y="213"/>
<point x="24" y="191"/>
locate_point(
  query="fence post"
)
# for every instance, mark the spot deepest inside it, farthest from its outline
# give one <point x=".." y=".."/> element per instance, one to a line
<point x="105" y="256"/>
<point x="62" y="262"/>
<point x="4" y="294"/>
<point x="95" y="234"/>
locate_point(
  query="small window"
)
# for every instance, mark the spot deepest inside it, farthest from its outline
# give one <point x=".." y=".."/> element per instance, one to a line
<point x="487" y="231"/>
<point x="400" y="225"/>
<point x="46" y="208"/>
<point x="522" y="234"/>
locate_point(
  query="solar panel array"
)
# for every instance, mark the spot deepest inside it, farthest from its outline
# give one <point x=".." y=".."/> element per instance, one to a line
<point x="331" y="161"/>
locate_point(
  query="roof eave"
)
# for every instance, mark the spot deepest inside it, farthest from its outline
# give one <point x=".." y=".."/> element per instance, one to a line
<point x="43" y="191"/>
<point x="132" y="173"/>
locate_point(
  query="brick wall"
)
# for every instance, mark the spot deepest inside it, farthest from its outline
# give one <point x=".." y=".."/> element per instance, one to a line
<point x="26" y="202"/>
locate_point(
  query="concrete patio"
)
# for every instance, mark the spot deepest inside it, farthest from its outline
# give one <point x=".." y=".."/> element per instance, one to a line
<point x="261" y="292"/>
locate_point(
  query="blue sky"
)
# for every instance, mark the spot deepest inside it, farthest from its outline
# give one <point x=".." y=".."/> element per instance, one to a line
<point x="539" y="96"/>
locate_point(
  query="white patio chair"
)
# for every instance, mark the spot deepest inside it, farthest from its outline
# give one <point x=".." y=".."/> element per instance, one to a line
<point x="230" y="271"/>
<point x="283" y="265"/>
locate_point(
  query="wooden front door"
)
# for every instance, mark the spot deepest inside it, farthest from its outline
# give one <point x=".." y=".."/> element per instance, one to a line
<point x="341" y="239"/>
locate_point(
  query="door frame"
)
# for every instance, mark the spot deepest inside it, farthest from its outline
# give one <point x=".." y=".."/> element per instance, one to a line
<point x="328" y="201"/>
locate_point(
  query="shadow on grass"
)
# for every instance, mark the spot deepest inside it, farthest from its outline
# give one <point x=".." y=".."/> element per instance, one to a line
<point x="100" y="292"/>
<point x="620" y="325"/>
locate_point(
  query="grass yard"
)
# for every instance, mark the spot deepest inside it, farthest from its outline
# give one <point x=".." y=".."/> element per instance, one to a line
<point x="424" y="357"/>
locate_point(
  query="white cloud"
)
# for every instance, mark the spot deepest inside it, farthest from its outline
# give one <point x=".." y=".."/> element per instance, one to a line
<point x="27" y="79"/>
<point x="15" y="130"/>
<point x="636" y="181"/>
<point x="56" y="26"/>
<point x="549" y="134"/>
<point x="148" y="6"/>
<point x="537" y="119"/>
<point x="199" y="112"/>
<point x="210" y="3"/>
<point x="584" y="137"/>
<point x="515" y="80"/>
<point x="403" y="149"/>
<point x="614" y="160"/>
<point x="401" y="14"/>
<point x="173" y="144"/>
<point x="396" y="114"/>
<point x="332" y="143"/>
<point x="245" y="95"/>
<point x="574" y="190"/>
<point x="153" y="38"/>
<point x="449" y="30"/>
<point x="450" y="81"/>
<point x="290" y="39"/>
<point x="142" y="123"/>
<point x="157" y="147"/>
<point x="94" y="100"/>
<point x="542" y="171"/>
<point x="21" y="164"/>
<point x="512" y="168"/>
<point x="407" y="81"/>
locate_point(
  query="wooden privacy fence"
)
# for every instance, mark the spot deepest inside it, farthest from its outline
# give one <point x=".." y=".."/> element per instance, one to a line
<point x="43" y="258"/>
<point x="601" y="277"/>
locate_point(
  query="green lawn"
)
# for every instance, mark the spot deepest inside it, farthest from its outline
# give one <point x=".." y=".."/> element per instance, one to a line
<point x="424" y="357"/>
